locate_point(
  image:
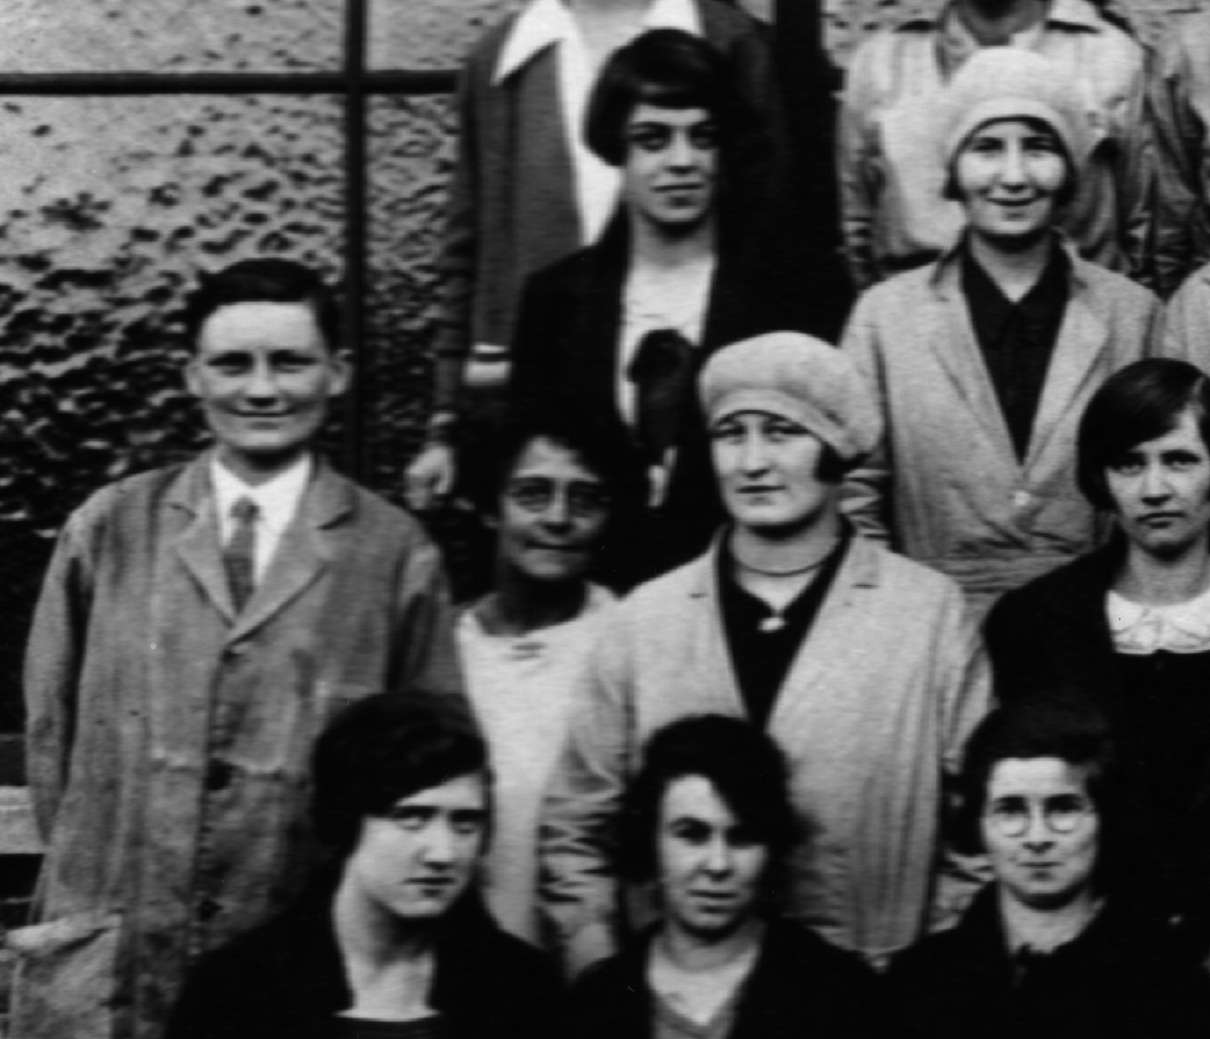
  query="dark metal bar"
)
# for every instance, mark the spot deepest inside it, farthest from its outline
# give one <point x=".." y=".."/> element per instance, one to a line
<point x="75" y="84"/>
<point x="355" y="230"/>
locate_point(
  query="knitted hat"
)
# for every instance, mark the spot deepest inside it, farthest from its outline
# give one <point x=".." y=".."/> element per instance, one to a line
<point x="800" y="378"/>
<point x="1012" y="83"/>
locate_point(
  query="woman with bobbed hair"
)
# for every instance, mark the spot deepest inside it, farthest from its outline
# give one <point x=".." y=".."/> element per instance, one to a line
<point x="1131" y="621"/>
<point x="708" y="821"/>
<point x="1054" y="946"/>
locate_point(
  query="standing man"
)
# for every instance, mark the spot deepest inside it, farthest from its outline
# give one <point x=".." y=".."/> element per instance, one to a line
<point x="861" y="664"/>
<point x="197" y="626"/>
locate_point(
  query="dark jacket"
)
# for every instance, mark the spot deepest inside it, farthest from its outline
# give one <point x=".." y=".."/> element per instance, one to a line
<point x="285" y="980"/>
<point x="566" y="349"/>
<point x="1054" y="633"/>
<point x="801" y="986"/>
<point x="1122" y="978"/>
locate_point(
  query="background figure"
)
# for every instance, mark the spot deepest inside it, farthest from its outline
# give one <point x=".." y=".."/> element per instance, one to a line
<point x="708" y="821"/>
<point x="982" y="361"/>
<point x="1131" y="623"/>
<point x="1178" y="110"/>
<point x="527" y="190"/>
<point x="196" y="627"/>
<point x="894" y="214"/>
<point x="1052" y="947"/>
<point x="393" y="941"/>
<point x="785" y="622"/>
<point x="550" y="495"/>
<point x="620" y="329"/>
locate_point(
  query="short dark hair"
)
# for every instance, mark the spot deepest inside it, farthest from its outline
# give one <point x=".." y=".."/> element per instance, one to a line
<point x="669" y="68"/>
<point x="600" y="446"/>
<point x="742" y="763"/>
<point x="1060" y="722"/>
<point x="1140" y="402"/>
<point x="263" y="280"/>
<point x="385" y="747"/>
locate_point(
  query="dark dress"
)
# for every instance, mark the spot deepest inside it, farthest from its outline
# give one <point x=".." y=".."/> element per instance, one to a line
<point x="800" y="986"/>
<point x="285" y="980"/>
<point x="1054" y="631"/>
<point x="565" y="350"/>
<point x="1122" y="978"/>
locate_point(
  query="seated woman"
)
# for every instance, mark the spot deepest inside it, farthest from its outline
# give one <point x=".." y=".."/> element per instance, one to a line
<point x="394" y="942"/>
<point x="708" y="821"/>
<point x="1052" y="947"/>
<point x="983" y="361"/>
<point x="1131" y="621"/>
<point x="621" y="328"/>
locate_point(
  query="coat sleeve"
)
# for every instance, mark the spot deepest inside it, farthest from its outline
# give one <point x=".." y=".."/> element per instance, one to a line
<point x="579" y="887"/>
<point x="1181" y="221"/>
<point x="52" y="671"/>
<point x="425" y="655"/>
<point x="856" y="166"/>
<point x="865" y="497"/>
<point x="1187" y="323"/>
<point x="963" y="684"/>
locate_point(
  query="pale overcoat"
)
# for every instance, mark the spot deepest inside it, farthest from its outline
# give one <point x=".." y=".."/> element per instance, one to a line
<point x="169" y="738"/>
<point x="945" y="485"/>
<point x="873" y="712"/>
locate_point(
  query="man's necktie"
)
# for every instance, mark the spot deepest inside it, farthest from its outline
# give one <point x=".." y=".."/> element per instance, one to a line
<point x="239" y="554"/>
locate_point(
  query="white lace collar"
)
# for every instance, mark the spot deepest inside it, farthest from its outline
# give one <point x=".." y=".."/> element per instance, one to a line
<point x="1138" y="629"/>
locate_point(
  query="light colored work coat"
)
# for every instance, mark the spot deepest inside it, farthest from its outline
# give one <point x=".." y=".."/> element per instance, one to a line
<point x="945" y="485"/>
<point x="1187" y="320"/>
<point x="169" y="739"/>
<point x="874" y="710"/>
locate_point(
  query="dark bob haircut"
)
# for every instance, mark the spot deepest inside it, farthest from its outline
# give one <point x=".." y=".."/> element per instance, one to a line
<point x="742" y="763"/>
<point x="266" y="280"/>
<point x="668" y="68"/>
<point x="601" y="447"/>
<point x="1062" y="723"/>
<point x="1141" y="402"/>
<point x="383" y="748"/>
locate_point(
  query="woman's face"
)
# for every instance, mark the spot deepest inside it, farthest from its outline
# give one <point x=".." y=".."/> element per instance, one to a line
<point x="1041" y="830"/>
<point x="1161" y="490"/>
<point x="710" y="865"/>
<point x="670" y="171"/>
<point x="1009" y="174"/>
<point x="768" y="471"/>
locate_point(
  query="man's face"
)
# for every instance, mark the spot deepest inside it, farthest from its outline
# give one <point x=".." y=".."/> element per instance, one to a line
<point x="415" y="862"/>
<point x="671" y="167"/>
<point x="553" y="511"/>
<point x="1161" y="491"/>
<point x="264" y="376"/>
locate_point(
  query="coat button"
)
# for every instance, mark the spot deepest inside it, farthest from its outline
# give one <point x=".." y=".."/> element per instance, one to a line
<point x="218" y="775"/>
<point x="207" y="909"/>
<point x="1022" y="499"/>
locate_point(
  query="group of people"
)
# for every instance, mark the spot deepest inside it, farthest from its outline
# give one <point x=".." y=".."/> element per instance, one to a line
<point x="843" y="689"/>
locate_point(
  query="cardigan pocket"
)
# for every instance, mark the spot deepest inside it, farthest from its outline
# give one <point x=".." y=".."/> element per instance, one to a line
<point x="65" y="982"/>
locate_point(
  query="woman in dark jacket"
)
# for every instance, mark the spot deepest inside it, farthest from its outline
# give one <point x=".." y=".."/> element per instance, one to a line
<point x="394" y="942"/>
<point x="707" y="820"/>
<point x="1131" y="622"/>
<point x="1053" y="947"/>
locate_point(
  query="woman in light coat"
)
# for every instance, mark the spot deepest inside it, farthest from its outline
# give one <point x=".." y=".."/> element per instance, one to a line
<point x="983" y="361"/>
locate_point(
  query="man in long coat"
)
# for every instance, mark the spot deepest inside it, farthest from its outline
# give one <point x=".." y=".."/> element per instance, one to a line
<point x="197" y="626"/>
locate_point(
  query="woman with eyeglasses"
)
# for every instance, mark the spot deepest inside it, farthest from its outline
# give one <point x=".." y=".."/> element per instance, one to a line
<point x="550" y="494"/>
<point x="1054" y="946"/>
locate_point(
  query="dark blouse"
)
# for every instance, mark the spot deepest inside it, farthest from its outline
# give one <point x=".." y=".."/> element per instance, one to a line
<point x="1017" y="339"/>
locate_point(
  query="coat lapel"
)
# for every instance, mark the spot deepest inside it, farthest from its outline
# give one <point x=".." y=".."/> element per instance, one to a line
<point x="303" y="553"/>
<point x="198" y="544"/>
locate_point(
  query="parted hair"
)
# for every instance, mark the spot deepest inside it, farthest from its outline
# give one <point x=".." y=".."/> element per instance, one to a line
<point x="386" y="747"/>
<point x="742" y="763"/>
<point x="1140" y="402"/>
<point x="1061" y="722"/>
<point x="263" y="280"/>
<point x="669" y="68"/>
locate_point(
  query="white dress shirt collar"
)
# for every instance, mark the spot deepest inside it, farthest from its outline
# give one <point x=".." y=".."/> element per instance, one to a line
<point x="277" y="500"/>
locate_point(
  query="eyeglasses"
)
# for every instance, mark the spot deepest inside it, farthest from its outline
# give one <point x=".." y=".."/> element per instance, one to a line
<point x="1012" y="816"/>
<point x="536" y="493"/>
